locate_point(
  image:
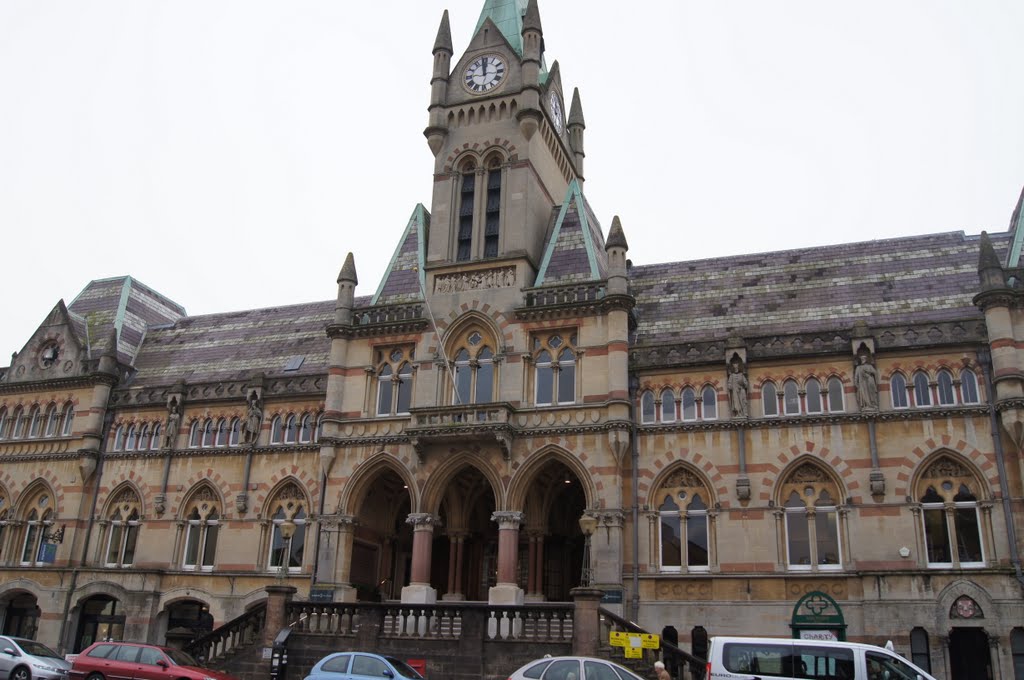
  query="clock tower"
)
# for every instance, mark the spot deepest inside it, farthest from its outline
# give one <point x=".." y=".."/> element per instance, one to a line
<point x="505" y="155"/>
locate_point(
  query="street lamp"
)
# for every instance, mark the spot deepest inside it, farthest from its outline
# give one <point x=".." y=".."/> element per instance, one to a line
<point x="588" y="525"/>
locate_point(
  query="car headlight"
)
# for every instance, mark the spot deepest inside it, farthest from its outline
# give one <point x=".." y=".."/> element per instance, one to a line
<point x="48" y="669"/>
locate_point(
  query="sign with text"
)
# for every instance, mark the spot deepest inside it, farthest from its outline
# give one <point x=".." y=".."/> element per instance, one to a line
<point x="638" y="641"/>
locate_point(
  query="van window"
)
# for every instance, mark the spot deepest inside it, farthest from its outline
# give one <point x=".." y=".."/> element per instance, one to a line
<point x="762" y="659"/>
<point x="884" y="667"/>
<point x="827" y="663"/>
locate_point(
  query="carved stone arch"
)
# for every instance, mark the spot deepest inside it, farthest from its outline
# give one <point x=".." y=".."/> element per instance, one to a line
<point x="290" y="489"/>
<point x="450" y="327"/>
<point x="946" y="464"/>
<point x="191" y="593"/>
<point x="494" y="156"/>
<point x="203" y="491"/>
<point x="208" y="476"/>
<point x="353" y="491"/>
<point x="440" y="477"/>
<point x="921" y="458"/>
<point x="6" y="502"/>
<point x="833" y="465"/>
<point x="953" y="592"/>
<point x="807" y="473"/>
<point x="32" y="491"/>
<point x="20" y="586"/>
<point x="464" y="323"/>
<point x="520" y="484"/>
<point x="103" y="587"/>
<point x="680" y="474"/>
<point x="126" y="492"/>
<point x="466" y="161"/>
<point x="716" y="480"/>
<point x="303" y="478"/>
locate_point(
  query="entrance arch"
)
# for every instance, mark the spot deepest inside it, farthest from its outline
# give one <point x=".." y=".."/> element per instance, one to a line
<point x="19" y="614"/>
<point x="464" y="563"/>
<point x="381" y="553"/>
<point x="100" y="617"/>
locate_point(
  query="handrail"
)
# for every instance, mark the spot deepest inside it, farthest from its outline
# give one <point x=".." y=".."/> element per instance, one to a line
<point x="239" y="631"/>
<point x="676" y="660"/>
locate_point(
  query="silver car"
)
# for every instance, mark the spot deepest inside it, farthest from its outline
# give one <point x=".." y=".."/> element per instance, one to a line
<point x="22" y="659"/>
<point x="573" y="668"/>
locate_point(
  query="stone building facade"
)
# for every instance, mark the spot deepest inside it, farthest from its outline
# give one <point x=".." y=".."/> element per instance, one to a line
<point x="823" y="441"/>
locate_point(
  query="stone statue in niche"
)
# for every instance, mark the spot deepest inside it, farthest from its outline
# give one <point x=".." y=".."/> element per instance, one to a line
<point x="737" y="386"/>
<point x="171" y="427"/>
<point x="253" y="419"/>
<point x="865" y="379"/>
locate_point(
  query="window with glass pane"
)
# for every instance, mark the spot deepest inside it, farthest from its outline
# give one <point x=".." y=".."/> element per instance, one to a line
<point x="697" y="549"/>
<point x="154" y="439"/>
<point x="922" y="390"/>
<point x="466" y="199"/>
<point x="936" y="531"/>
<point x="130" y="438"/>
<point x="235" y="432"/>
<point x="709" y="404"/>
<point x="684" y="534"/>
<point x="492" y="213"/>
<point x="119" y="437"/>
<point x="194" y="433"/>
<point x="545" y="379"/>
<point x="671" y="535"/>
<point x="483" y="391"/>
<point x="404" y="388"/>
<point x="122" y="529"/>
<point x="689" y="404"/>
<point x="919" y="653"/>
<point x="835" y="396"/>
<point x="291" y="429"/>
<point x="306" y="429"/>
<point x="143" y="442"/>
<point x="289" y="516"/>
<point x="947" y="395"/>
<point x="968" y="528"/>
<point x="791" y="398"/>
<point x="209" y="433"/>
<point x="385" y="386"/>
<point x="69" y="420"/>
<point x="898" y="391"/>
<point x="51" y="420"/>
<point x="813" y="396"/>
<point x="201" y="535"/>
<point x="969" y="386"/>
<point x="951" y="522"/>
<point x="798" y="536"/>
<point x="769" y="399"/>
<point x="668" y="406"/>
<point x="36" y="427"/>
<point x="1017" y="650"/>
<point x="5" y="423"/>
<point x="463" y="378"/>
<point x="566" y="377"/>
<point x="35" y="526"/>
<point x="811" y="518"/>
<point x="276" y="430"/>
<point x="647" y="408"/>
<point x="826" y="532"/>
<point x="19" y="423"/>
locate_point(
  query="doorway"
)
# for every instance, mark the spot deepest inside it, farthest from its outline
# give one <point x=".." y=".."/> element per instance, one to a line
<point x="969" y="657"/>
<point x="22" y="616"/>
<point x="101" y="619"/>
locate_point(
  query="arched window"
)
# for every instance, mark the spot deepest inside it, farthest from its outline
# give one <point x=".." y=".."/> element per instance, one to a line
<point x="898" y="390"/>
<point x="492" y="208"/>
<point x="647" y="407"/>
<point x="36" y="427"/>
<point x="36" y="525"/>
<point x="813" y="390"/>
<point x="919" y="653"/>
<point x="811" y="519"/>
<point x="922" y="390"/>
<point x="130" y="438"/>
<point x="202" y="517"/>
<point x="291" y="428"/>
<point x="969" y="387"/>
<point x="394" y="381"/>
<point x="122" y="529"/>
<point x="473" y="369"/>
<point x="709" y="403"/>
<point x="276" y="431"/>
<point x="946" y="392"/>
<point x="791" y="398"/>
<point x="668" y="406"/>
<point x="319" y="427"/>
<point x="288" y="530"/>
<point x="306" y="429"/>
<point x="5" y="423"/>
<point x="222" y="433"/>
<point x="684" y="534"/>
<point x="20" y="423"/>
<point x="555" y="362"/>
<point x="52" y="418"/>
<point x="949" y="515"/>
<point x="467" y="198"/>
<point x="154" y="438"/>
<point x="689" y="404"/>
<point x="3" y="524"/>
<point x="235" y="431"/>
<point x="835" y="396"/>
<point x="69" y="420"/>
<point x="769" y="400"/>
<point x="194" y="434"/>
<point x="119" y="438"/>
<point x="209" y="433"/>
<point x="143" y="443"/>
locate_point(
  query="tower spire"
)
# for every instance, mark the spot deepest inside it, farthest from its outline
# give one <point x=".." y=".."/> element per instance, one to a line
<point x="436" y="130"/>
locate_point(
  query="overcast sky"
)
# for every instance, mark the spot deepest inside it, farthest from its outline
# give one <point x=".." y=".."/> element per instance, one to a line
<point x="230" y="153"/>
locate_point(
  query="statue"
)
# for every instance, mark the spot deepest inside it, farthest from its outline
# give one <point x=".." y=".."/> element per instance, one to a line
<point x="253" y="420"/>
<point x="865" y="379"/>
<point x="171" y="427"/>
<point x="737" y="386"/>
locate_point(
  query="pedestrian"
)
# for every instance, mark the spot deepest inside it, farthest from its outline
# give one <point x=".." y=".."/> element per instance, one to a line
<point x="659" y="669"/>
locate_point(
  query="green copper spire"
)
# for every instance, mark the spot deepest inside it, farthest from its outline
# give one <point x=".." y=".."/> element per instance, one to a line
<point x="507" y="15"/>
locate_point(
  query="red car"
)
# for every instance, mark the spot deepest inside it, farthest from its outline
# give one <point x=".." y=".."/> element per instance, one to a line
<point x="138" y="661"/>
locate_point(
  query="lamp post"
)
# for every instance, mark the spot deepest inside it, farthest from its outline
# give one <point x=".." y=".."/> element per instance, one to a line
<point x="588" y="525"/>
<point x="287" y="528"/>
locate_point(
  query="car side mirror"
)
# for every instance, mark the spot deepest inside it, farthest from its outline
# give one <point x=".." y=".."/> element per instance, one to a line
<point x="388" y="673"/>
<point x="163" y="664"/>
<point x="10" y="650"/>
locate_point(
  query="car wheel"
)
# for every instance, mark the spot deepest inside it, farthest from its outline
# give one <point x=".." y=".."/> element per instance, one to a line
<point x="20" y="673"/>
<point x="95" y="676"/>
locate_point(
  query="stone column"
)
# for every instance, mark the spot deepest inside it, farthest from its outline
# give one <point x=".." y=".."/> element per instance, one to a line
<point x="586" y="629"/>
<point x="457" y="544"/>
<point x="278" y="598"/>
<point x="507" y="591"/>
<point x="606" y="548"/>
<point x="419" y="591"/>
<point x="334" y="561"/>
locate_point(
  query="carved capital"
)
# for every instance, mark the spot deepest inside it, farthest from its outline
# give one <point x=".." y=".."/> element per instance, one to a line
<point x="423" y="521"/>
<point x="507" y="519"/>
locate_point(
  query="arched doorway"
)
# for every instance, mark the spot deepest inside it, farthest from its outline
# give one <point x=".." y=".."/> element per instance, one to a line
<point x="101" y="617"/>
<point x="554" y="542"/>
<point x="19" y="613"/>
<point x="465" y="553"/>
<point x="382" y="544"/>
<point x="192" y="616"/>
<point x="969" y="657"/>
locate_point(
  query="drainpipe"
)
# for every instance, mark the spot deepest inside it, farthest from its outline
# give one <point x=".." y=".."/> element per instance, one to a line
<point x="985" y="359"/>
<point x="634" y="384"/>
<point x="319" y="530"/>
<point x="108" y="421"/>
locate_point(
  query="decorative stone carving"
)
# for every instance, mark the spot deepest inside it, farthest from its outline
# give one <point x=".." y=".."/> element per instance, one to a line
<point x="253" y="419"/>
<point x="865" y="379"/>
<point x="743" y="488"/>
<point x="945" y="468"/>
<point x="242" y="503"/>
<point x="876" y="483"/>
<point x="807" y="473"/>
<point x="499" y="277"/>
<point x="737" y="386"/>
<point x="507" y="519"/>
<point x="171" y="426"/>
<point x="160" y="503"/>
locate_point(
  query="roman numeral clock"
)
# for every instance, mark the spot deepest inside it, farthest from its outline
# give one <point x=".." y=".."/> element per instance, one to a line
<point x="485" y="73"/>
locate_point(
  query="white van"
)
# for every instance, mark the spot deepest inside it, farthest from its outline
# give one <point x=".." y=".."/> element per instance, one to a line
<point x="747" y="658"/>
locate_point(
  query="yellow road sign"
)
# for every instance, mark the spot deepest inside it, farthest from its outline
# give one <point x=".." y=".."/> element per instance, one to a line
<point x="634" y="652"/>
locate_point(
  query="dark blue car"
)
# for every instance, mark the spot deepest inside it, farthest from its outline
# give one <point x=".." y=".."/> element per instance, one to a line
<point x="361" y="666"/>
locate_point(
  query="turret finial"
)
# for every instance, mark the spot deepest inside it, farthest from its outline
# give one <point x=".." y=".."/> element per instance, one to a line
<point x="576" y="109"/>
<point x="444" y="35"/>
<point x="348" y="270"/>
<point x="616" y="237"/>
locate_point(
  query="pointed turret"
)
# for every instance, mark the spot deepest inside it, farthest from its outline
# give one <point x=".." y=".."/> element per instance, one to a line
<point x="576" y="127"/>
<point x="108" y="360"/>
<point x="347" y="282"/>
<point x="616" y="248"/>
<point x="989" y="270"/>
<point x="531" y="20"/>
<point x="436" y="129"/>
<point x="529" y="115"/>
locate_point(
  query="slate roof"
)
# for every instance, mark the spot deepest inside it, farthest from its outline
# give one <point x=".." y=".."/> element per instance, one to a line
<point x="124" y="305"/>
<point x="575" y="251"/>
<point x="238" y="345"/>
<point x="918" y="279"/>
<point x="403" y="280"/>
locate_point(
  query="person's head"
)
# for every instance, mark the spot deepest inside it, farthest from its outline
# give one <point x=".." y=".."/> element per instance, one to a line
<point x="658" y="665"/>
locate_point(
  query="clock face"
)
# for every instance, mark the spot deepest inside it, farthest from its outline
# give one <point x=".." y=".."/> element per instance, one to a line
<point x="485" y="73"/>
<point x="556" y="111"/>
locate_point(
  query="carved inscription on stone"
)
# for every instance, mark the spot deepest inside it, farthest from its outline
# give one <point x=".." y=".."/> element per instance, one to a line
<point x="501" y="277"/>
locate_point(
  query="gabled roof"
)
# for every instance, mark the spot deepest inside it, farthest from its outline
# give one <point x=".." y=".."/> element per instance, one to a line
<point x="507" y="15"/>
<point x="404" y="279"/>
<point x="1016" y="233"/>
<point x="125" y="306"/>
<point x="575" y="251"/>
<point x="891" y="282"/>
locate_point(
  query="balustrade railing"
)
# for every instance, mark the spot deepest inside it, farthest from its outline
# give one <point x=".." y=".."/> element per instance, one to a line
<point x="241" y="631"/>
<point x="468" y="414"/>
<point x="564" y="295"/>
<point x="388" y="314"/>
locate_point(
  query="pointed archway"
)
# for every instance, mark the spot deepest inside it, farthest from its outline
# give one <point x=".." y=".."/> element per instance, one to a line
<point x="465" y="554"/>
<point x="551" y="559"/>
<point x="381" y="554"/>
<point x="19" y="614"/>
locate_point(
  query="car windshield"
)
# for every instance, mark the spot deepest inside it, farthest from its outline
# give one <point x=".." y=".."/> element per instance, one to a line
<point x="403" y="668"/>
<point x="36" y="649"/>
<point x="180" y="658"/>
